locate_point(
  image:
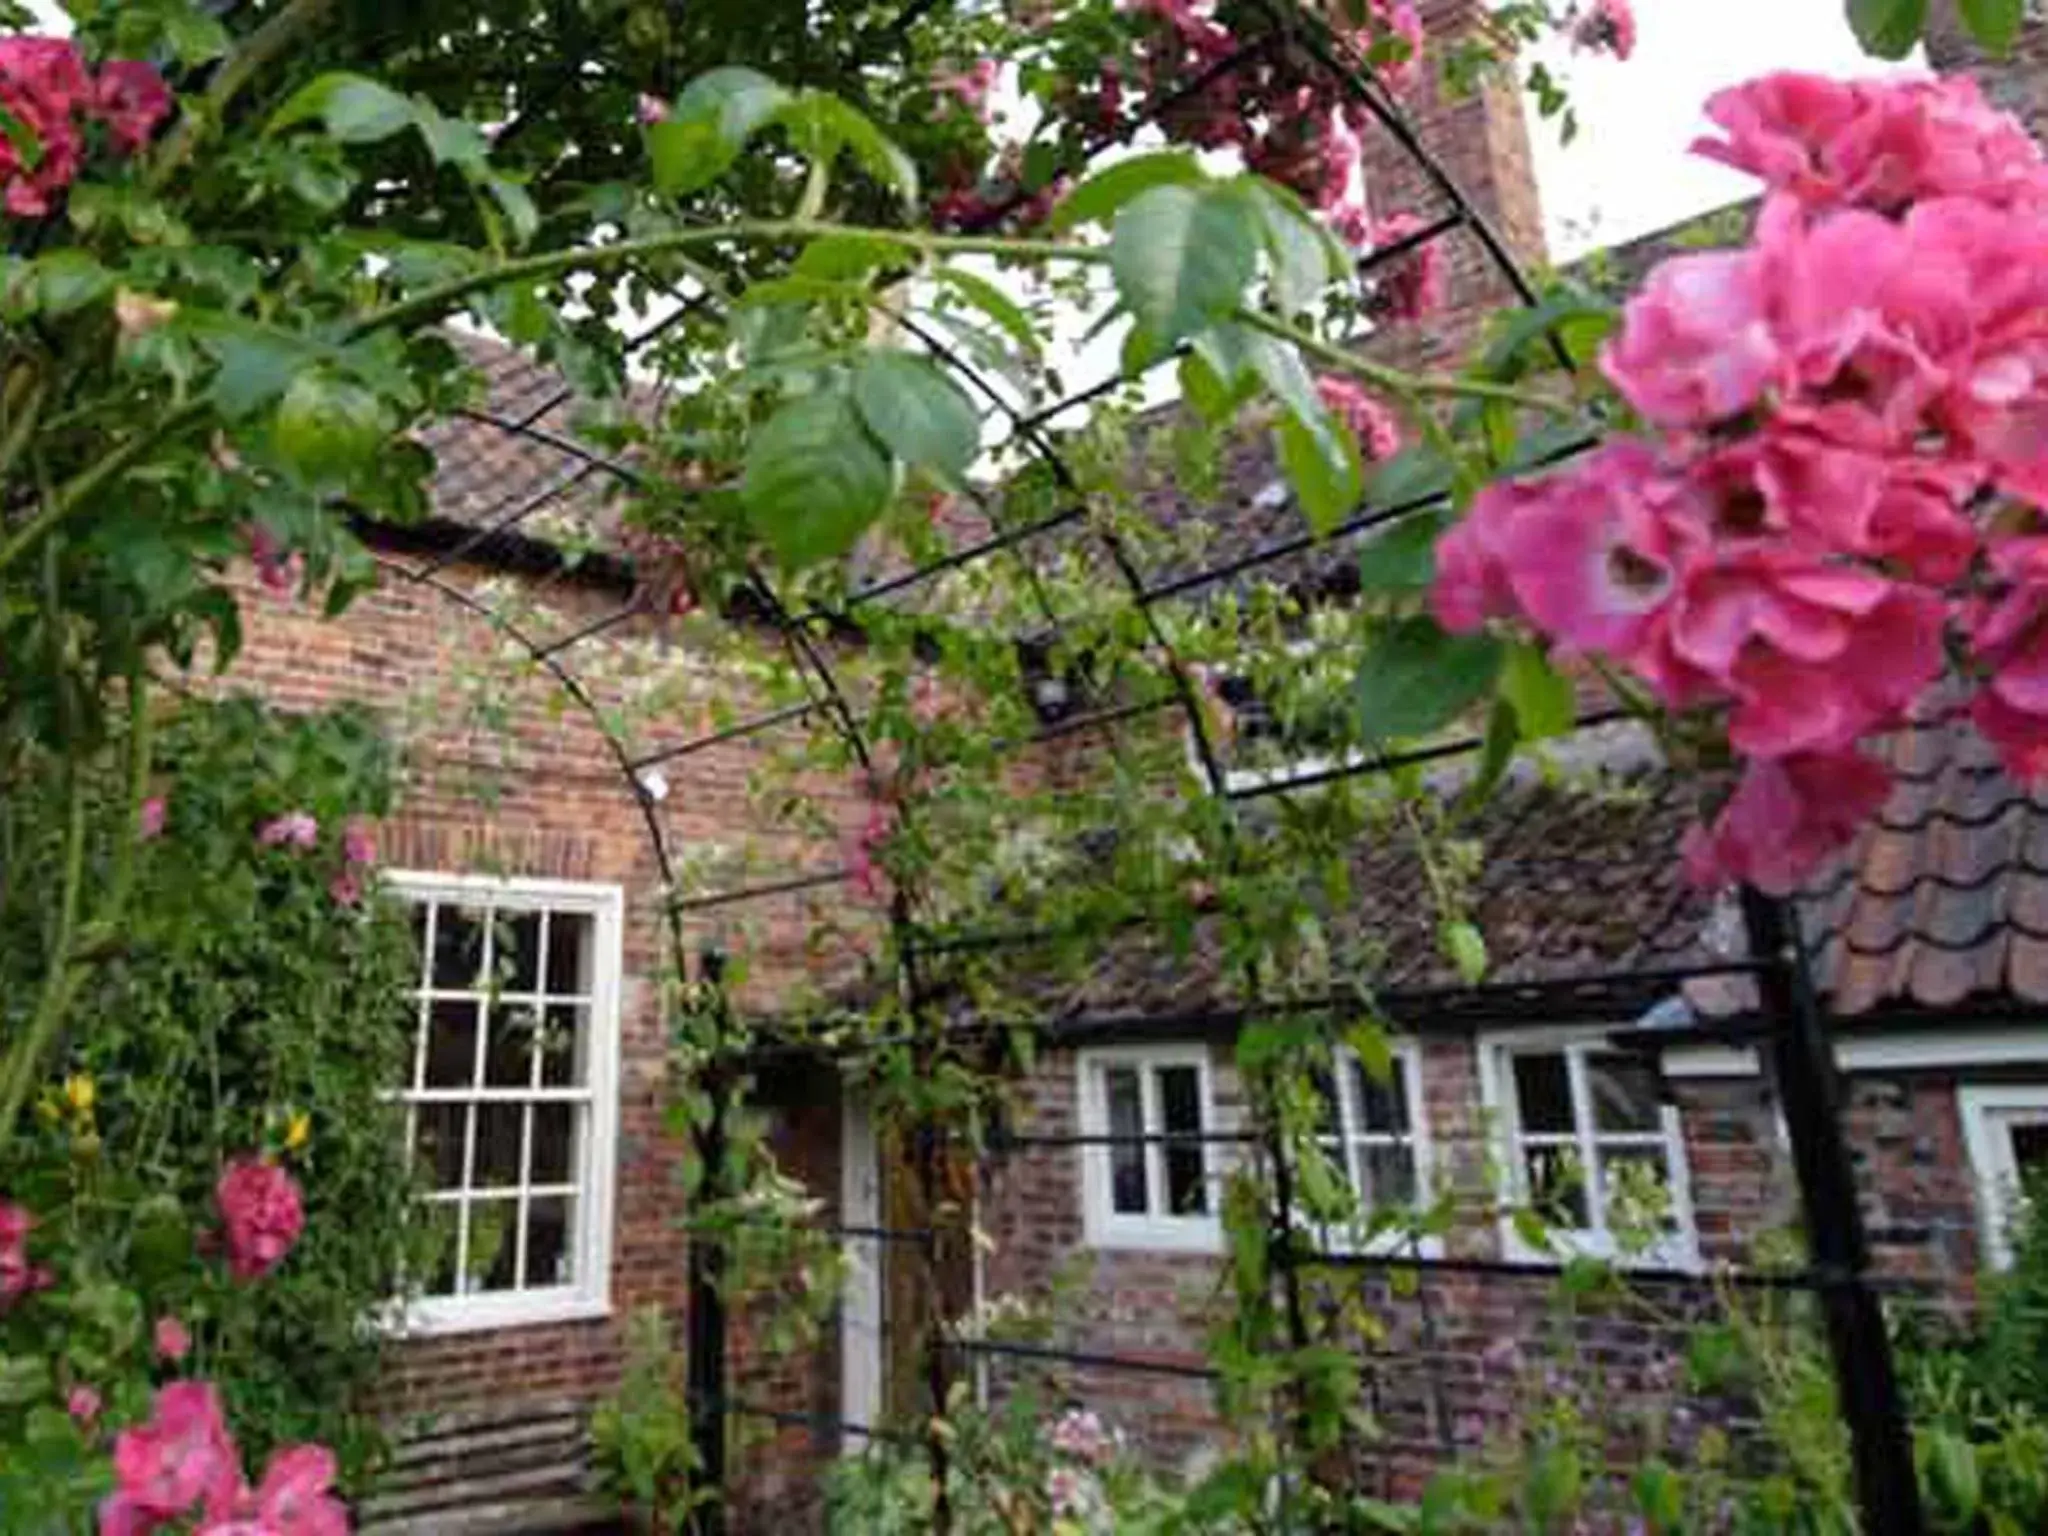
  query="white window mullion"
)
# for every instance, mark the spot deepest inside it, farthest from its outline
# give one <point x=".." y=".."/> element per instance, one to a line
<point x="1590" y="1176"/>
<point x="1152" y="1122"/>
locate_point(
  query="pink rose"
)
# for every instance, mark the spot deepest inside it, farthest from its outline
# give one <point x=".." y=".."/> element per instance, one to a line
<point x="262" y="1213"/>
<point x="1371" y="423"/>
<point x="1412" y="285"/>
<point x="295" y="1497"/>
<point x="346" y="888"/>
<point x="359" y="840"/>
<point x="1591" y="554"/>
<point x="150" y="824"/>
<point x="1786" y="817"/>
<point x="1695" y="345"/>
<point x="970" y="87"/>
<point x="651" y="110"/>
<point x="2008" y="633"/>
<point x="182" y="1457"/>
<point x="43" y="83"/>
<point x="131" y="98"/>
<point x="1606" y="26"/>
<point x="296" y="829"/>
<point x="83" y="1404"/>
<point x="173" y="1341"/>
<point x="18" y="1277"/>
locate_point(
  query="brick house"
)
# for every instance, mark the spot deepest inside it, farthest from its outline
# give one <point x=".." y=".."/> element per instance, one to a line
<point x="523" y="843"/>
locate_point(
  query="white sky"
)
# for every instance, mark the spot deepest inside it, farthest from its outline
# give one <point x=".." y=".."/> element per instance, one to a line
<point x="1627" y="173"/>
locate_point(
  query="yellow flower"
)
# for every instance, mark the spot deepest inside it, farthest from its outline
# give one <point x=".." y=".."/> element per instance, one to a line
<point x="297" y="1132"/>
<point x="79" y="1093"/>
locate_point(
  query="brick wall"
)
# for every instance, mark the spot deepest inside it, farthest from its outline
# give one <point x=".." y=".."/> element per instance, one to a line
<point x="1454" y="1358"/>
<point x="504" y="777"/>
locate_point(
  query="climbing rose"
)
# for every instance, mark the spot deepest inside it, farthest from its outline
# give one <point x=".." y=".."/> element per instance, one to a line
<point x="1411" y="285"/>
<point x="295" y="1498"/>
<point x="261" y="1210"/>
<point x="83" y="1404"/>
<point x="1591" y="554"/>
<point x="359" y="841"/>
<point x="650" y="110"/>
<point x="1695" y="344"/>
<point x="970" y="87"/>
<point x="181" y="1458"/>
<point x="296" y="829"/>
<point x="1606" y="26"/>
<point x="1785" y="817"/>
<point x="18" y="1277"/>
<point x="150" y="823"/>
<point x="2009" y="635"/>
<point x="173" y="1341"/>
<point x="1080" y="1434"/>
<point x="1877" y="144"/>
<point x="44" y="85"/>
<point x="131" y="98"/>
<point x="1378" y="433"/>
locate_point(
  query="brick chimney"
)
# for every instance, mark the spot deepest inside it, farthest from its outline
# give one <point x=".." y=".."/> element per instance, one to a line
<point x="1482" y="143"/>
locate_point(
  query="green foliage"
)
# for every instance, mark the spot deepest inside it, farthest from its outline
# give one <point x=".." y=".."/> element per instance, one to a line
<point x="640" y="1435"/>
<point x="238" y="1010"/>
<point x="1889" y="29"/>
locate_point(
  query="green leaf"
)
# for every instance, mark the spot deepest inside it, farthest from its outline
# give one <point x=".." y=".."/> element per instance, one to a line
<point x="1182" y="258"/>
<point x="1417" y="678"/>
<point x="1994" y="23"/>
<point x="920" y="414"/>
<point x="1375" y="1052"/>
<point x="838" y="258"/>
<point x="1540" y="695"/>
<point x="69" y="280"/>
<point x="712" y="121"/>
<point x="1497" y="751"/>
<point x="23" y="1379"/>
<point x="1327" y="487"/>
<point x="822" y="125"/>
<point x="1401" y="560"/>
<point x="1203" y="386"/>
<point x="1412" y="475"/>
<point x="1521" y="341"/>
<point x="1097" y="199"/>
<point x="255" y="362"/>
<point x="24" y="140"/>
<point x="814" y="479"/>
<point x="1304" y="256"/>
<point x="994" y="303"/>
<point x="353" y="108"/>
<point x="1465" y="946"/>
<point x="1888" y="28"/>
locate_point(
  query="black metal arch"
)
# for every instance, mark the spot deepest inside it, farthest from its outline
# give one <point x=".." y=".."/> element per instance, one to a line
<point x="1796" y="1041"/>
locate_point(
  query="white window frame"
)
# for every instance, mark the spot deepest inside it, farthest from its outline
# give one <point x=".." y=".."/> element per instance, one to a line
<point x="1407" y="1063"/>
<point x="1989" y="1112"/>
<point x="595" y="1174"/>
<point x="1680" y="1250"/>
<point x="1103" y="1226"/>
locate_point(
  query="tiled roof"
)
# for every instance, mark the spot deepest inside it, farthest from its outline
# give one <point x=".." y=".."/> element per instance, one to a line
<point x="487" y="472"/>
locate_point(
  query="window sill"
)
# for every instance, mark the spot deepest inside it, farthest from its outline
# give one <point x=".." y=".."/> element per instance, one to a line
<point x="1155" y="1235"/>
<point x="1677" y="1253"/>
<point x="449" y="1317"/>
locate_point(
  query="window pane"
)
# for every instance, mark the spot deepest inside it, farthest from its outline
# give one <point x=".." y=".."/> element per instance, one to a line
<point x="444" y="1221"/>
<point x="1624" y="1090"/>
<point x="442" y="1128"/>
<point x="493" y="1245"/>
<point x="1543" y="1092"/>
<point x="562" y="1045"/>
<point x="451" y="1043"/>
<point x="516" y="952"/>
<point x="1389" y="1176"/>
<point x="548" y="1256"/>
<point x="1126" y="1159"/>
<point x="458" y="947"/>
<point x="554" y="1129"/>
<point x="570" y="950"/>
<point x="508" y="1056"/>
<point x="2030" y="1150"/>
<point x="1635" y="1190"/>
<point x="1382" y="1106"/>
<point x="420" y="909"/>
<point x="1180" y="1109"/>
<point x="500" y="1128"/>
<point x="1557" y="1186"/>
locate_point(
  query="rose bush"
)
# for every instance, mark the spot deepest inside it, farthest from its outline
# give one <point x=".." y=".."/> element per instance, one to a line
<point x="210" y="1198"/>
